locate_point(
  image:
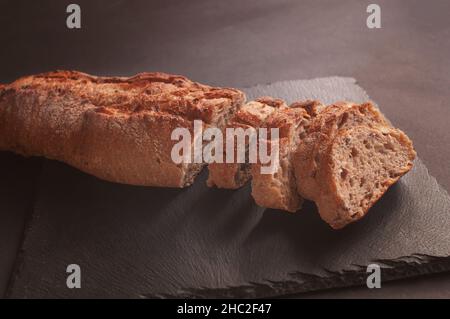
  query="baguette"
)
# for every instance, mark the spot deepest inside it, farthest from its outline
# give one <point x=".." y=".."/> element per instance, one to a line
<point x="116" y="128"/>
<point x="344" y="156"/>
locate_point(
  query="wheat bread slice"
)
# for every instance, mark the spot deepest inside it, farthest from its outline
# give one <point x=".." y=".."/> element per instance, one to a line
<point x="251" y="115"/>
<point x="321" y="131"/>
<point x="360" y="164"/>
<point x="278" y="190"/>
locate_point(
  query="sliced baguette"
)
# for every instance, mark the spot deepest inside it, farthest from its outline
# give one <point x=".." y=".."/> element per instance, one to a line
<point x="251" y="115"/>
<point x="278" y="190"/>
<point x="360" y="164"/>
<point x="321" y="131"/>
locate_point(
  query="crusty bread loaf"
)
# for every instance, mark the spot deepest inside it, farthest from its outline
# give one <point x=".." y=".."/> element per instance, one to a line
<point x="322" y="130"/>
<point x="116" y="128"/>
<point x="251" y="115"/>
<point x="279" y="190"/>
<point x="360" y="164"/>
<point x="343" y="157"/>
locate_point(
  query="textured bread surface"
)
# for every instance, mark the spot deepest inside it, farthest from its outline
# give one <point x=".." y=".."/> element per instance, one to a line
<point x="360" y="165"/>
<point x="321" y="132"/>
<point x="116" y="128"/>
<point x="251" y="115"/>
<point x="312" y="107"/>
<point x="279" y="190"/>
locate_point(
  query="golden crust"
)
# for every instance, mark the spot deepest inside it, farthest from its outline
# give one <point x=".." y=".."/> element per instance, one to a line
<point x="272" y="102"/>
<point x="116" y="128"/>
<point x="152" y="91"/>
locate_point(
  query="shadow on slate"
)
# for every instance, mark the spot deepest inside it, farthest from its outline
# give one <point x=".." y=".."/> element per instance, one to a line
<point x="143" y="242"/>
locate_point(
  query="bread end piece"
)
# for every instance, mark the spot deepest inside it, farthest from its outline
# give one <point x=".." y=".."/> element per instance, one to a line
<point x="323" y="128"/>
<point x="359" y="167"/>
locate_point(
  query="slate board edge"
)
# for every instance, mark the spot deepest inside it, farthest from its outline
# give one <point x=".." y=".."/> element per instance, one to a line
<point x="400" y="268"/>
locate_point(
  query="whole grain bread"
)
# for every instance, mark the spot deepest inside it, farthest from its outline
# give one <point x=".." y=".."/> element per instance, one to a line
<point x="276" y="190"/>
<point x="321" y="132"/>
<point x="252" y="115"/>
<point x="360" y="164"/>
<point x="279" y="190"/>
<point x="116" y="128"/>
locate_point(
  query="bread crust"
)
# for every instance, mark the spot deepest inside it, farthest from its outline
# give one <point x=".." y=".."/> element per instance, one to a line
<point x="312" y="107"/>
<point x="116" y="128"/>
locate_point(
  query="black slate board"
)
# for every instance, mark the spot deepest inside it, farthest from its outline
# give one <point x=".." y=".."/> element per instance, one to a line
<point x="142" y="242"/>
<point x="18" y="176"/>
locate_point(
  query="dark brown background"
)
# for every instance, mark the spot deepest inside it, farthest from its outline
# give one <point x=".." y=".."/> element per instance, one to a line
<point x="241" y="43"/>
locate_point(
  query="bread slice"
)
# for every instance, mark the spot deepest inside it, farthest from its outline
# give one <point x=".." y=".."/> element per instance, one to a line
<point x="321" y="131"/>
<point x="279" y="190"/>
<point x="251" y="115"/>
<point x="361" y="163"/>
<point x="116" y="128"/>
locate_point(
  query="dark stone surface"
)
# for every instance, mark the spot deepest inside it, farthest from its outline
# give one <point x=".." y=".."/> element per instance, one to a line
<point x="404" y="65"/>
<point x="18" y="178"/>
